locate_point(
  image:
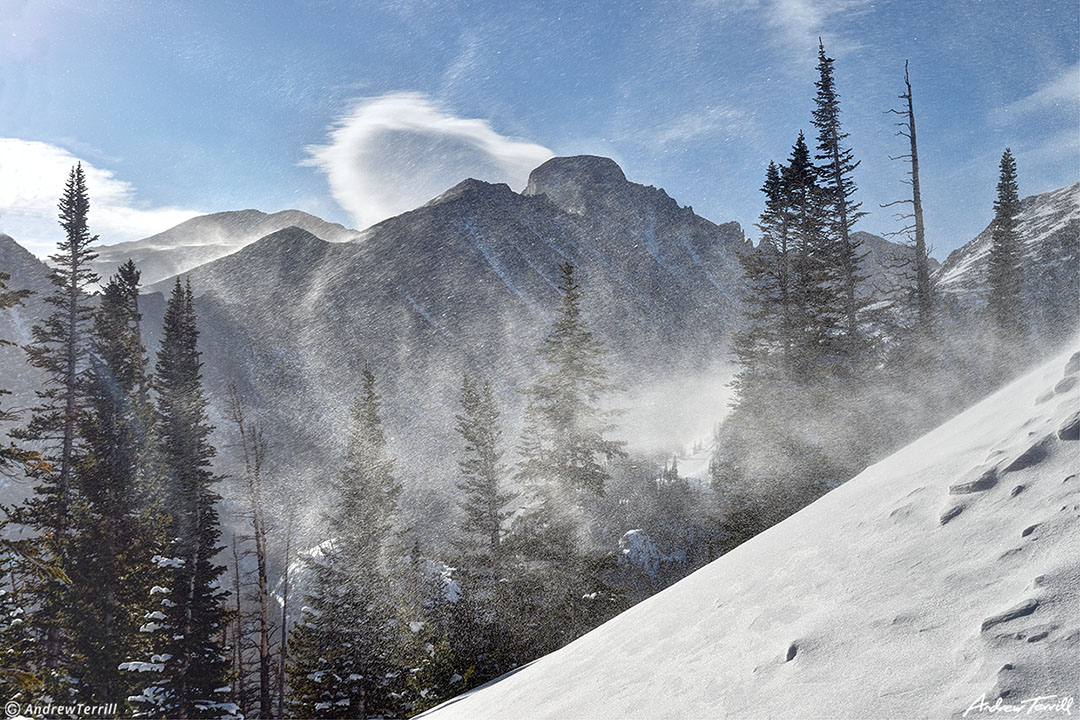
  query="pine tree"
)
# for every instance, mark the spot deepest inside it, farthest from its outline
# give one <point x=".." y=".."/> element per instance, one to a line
<point x="483" y="497"/>
<point x="563" y="443"/>
<point x="814" y="292"/>
<point x="59" y="348"/>
<point x="563" y="449"/>
<point x="341" y="651"/>
<point x="791" y="303"/>
<point x="112" y="509"/>
<point x="1004" y="273"/>
<point x="186" y="631"/>
<point x="766" y="350"/>
<point x="836" y="174"/>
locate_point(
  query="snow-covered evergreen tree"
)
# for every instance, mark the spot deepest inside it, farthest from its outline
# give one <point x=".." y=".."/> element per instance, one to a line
<point x="115" y="481"/>
<point x="342" y="651"/>
<point x="187" y="671"/>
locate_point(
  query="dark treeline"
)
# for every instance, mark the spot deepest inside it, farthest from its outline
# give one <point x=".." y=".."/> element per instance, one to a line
<point x="121" y="583"/>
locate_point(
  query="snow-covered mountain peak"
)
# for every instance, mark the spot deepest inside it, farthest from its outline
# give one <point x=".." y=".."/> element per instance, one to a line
<point x="940" y="579"/>
<point x="209" y="237"/>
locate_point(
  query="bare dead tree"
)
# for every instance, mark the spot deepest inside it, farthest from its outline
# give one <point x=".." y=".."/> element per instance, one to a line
<point x="253" y="447"/>
<point x="914" y="219"/>
<point x="283" y="640"/>
<point x="240" y="692"/>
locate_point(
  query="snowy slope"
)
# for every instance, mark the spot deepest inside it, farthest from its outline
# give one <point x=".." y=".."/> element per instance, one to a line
<point x="1047" y="221"/>
<point x="878" y="600"/>
<point x="206" y="238"/>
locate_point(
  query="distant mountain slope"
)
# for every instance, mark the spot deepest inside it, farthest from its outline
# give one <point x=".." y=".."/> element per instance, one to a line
<point x="889" y="266"/>
<point x="1050" y="227"/>
<point x="27" y="273"/>
<point x="942" y="576"/>
<point x="467" y="281"/>
<point x="206" y="238"/>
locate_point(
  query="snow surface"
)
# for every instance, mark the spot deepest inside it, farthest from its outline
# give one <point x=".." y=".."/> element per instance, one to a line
<point x="878" y="600"/>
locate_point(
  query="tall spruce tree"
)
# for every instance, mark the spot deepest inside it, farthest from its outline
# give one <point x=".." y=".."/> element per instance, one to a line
<point x="1005" y="272"/>
<point x="765" y="351"/>
<point x="112" y="512"/>
<point x="482" y="474"/>
<point x="838" y="165"/>
<point x="189" y="661"/>
<point x="815" y="294"/>
<point x="342" y="649"/>
<point x="564" y="448"/>
<point x="564" y="441"/>
<point x="59" y="349"/>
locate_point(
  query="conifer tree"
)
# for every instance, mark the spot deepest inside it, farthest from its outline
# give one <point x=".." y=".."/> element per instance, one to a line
<point x="791" y="303"/>
<point x="188" y="657"/>
<point x="836" y="175"/>
<point x="564" y="448"/>
<point x="112" y="508"/>
<point x="815" y="295"/>
<point x="564" y="441"/>
<point x="59" y="349"/>
<point x="342" y="649"/>
<point x="765" y="351"/>
<point x="483" y="497"/>
<point x="1004" y="273"/>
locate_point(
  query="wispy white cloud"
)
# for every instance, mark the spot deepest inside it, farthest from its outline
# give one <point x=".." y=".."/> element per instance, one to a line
<point x="1060" y="92"/>
<point x="797" y="24"/>
<point x="389" y="154"/>
<point x="32" y="177"/>
<point x="706" y="124"/>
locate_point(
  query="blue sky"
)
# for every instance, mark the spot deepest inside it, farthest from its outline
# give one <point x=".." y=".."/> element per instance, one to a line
<point x="356" y="110"/>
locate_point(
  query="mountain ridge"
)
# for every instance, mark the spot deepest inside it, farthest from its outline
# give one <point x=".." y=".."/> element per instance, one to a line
<point x="207" y="238"/>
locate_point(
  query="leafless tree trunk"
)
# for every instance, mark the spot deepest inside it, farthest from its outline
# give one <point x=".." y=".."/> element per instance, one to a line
<point x="283" y="643"/>
<point x="923" y="290"/>
<point x="253" y="447"/>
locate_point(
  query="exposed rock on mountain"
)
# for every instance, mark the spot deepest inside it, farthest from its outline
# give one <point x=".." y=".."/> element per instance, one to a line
<point x="27" y="273"/>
